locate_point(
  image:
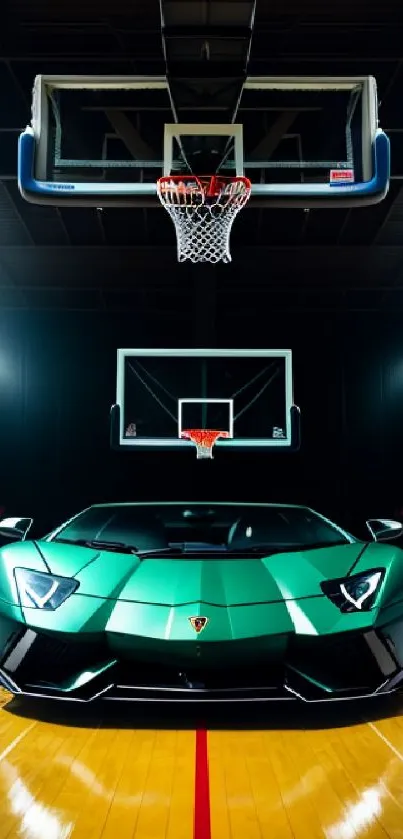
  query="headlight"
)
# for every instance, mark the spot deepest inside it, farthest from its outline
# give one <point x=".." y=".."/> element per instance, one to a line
<point x="42" y="591"/>
<point x="354" y="594"/>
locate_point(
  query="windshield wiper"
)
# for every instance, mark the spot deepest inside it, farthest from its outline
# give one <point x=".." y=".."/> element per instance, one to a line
<point x="120" y="547"/>
<point x="160" y="551"/>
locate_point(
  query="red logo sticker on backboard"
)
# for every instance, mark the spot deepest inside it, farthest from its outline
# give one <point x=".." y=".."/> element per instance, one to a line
<point x="342" y="176"/>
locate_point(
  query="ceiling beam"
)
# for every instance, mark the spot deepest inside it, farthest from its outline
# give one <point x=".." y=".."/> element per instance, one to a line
<point x="138" y="148"/>
<point x="153" y="65"/>
<point x="269" y="143"/>
<point x="202" y="31"/>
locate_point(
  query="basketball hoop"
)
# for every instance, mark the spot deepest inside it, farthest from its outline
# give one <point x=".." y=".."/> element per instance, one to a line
<point x="204" y="440"/>
<point x="203" y="210"/>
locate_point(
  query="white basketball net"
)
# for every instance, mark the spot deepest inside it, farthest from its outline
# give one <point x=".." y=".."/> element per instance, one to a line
<point x="204" y="440"/>
<point x="203" y="211"/>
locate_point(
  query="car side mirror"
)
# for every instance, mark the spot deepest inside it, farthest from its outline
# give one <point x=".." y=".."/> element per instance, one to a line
<point x="382" y="530"/>
<point x="14" y="529"/>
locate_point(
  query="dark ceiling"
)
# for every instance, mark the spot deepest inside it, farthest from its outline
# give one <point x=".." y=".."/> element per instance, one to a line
<point x="84" y="259"/>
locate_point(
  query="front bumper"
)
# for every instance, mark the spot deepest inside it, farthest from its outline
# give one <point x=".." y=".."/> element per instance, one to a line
<point x="314" y="668"/>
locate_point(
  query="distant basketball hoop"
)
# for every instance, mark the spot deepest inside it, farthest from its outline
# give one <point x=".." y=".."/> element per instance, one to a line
<point x="204" y="440"/>
<point x="203" y="210"/>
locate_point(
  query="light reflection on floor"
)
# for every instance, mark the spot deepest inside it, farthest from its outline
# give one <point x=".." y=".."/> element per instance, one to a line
<point x="107" y="777"/>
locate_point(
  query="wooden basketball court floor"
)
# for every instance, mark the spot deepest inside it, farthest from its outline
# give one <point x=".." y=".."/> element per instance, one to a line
<point x="116" y="772"/>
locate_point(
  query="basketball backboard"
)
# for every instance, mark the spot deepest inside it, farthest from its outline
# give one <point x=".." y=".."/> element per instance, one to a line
<point x="247" y="394"/>
<point x="303" y="142"/>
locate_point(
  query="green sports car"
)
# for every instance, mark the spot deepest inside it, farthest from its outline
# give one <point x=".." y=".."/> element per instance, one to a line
<point x="201" y="601"/>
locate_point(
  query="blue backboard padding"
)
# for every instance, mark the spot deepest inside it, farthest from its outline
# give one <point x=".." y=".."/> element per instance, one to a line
<point x="55" y="192"/>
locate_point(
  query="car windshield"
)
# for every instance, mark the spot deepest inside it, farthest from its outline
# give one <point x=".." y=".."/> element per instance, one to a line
<point x="232" y="529"/>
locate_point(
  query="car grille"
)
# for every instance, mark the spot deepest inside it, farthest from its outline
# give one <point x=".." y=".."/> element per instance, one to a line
<point x="50" y="660"/>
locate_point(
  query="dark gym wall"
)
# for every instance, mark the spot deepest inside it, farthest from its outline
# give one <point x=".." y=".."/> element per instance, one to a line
<point x="57" y="379"/>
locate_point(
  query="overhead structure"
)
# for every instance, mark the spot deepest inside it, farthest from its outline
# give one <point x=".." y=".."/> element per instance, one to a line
<point x="302" y="142"/>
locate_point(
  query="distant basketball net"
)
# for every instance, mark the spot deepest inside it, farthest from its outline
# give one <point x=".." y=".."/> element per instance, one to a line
<point x="203" y="210"/>
<point x="204" y="440"/>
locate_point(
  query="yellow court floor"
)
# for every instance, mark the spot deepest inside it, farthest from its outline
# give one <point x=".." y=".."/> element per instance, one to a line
<point x="121" y="774"/>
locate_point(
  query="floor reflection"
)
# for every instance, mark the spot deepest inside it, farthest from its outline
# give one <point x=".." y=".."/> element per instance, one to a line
<point x="35" y="819"/>
<point x="109" y="774"/>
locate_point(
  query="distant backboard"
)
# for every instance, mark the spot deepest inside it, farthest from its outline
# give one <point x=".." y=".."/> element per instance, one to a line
<point x="248" y="394"/>
<point x="303" y="142"/>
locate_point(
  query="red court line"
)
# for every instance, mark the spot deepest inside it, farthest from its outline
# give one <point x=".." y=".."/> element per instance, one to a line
<point x="202" y="825"/>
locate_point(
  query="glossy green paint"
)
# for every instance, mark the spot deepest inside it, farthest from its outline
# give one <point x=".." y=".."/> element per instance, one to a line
<point x="86" y="677"/>
<point x="143" y="607"/>
<point x="170" y="581"/>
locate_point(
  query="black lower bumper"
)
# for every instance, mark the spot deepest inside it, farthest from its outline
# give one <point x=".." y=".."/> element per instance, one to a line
<point x="343" y="666"/>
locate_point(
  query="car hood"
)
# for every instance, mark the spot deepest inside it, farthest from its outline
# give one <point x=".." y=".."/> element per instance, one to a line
<point x="175" y="581"/>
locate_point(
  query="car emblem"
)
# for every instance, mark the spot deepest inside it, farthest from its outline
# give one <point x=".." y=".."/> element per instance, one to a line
<point x="198" y="624"/>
